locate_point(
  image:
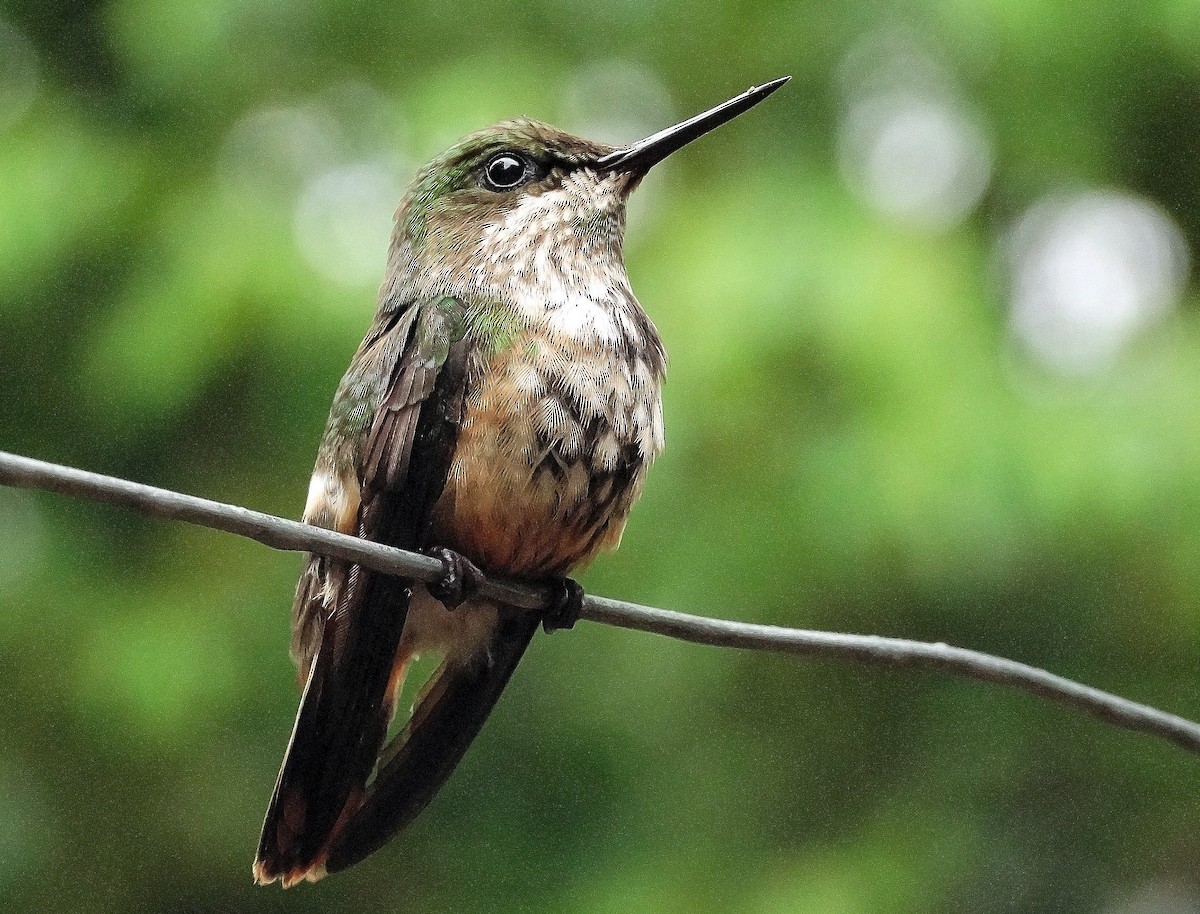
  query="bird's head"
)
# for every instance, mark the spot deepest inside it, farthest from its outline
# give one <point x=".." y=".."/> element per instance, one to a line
<point x="521" y="196"/>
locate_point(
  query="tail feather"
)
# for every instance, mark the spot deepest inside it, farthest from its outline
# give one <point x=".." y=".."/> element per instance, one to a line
<point x="418" y="762"/>
<point x="340" y="727"/>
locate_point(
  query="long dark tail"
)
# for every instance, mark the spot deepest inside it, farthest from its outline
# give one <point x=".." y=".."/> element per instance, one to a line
<point x="340" y="727"/>
<point x="426" y="751"/>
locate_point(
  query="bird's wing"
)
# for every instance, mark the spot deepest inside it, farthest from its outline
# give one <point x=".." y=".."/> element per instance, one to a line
<point x="382" y="466"/>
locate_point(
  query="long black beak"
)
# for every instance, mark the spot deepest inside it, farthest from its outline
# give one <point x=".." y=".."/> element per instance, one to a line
<point x="644" y="154"/>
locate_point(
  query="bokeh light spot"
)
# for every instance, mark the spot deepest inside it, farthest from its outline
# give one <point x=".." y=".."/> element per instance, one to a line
<point x="343" y="221"/>
<point x="909" y="143"/>
<point x="1087" y="273"/>
<point x="271" y="152"/>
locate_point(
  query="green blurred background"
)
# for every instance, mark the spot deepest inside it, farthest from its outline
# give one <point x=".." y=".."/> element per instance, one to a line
<point x="935" y="362"/>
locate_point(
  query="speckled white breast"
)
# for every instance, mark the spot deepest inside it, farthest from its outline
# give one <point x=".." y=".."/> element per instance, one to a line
<point x="551" y="455"/>
<point x="563" y="416"/>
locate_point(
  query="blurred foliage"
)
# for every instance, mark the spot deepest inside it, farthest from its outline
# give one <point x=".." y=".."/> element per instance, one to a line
<point x="857" y="440"/>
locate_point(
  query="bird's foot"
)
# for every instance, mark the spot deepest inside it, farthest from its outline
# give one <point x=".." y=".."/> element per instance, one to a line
<point x="460" y="580"/>
<point x="566" y="603"/>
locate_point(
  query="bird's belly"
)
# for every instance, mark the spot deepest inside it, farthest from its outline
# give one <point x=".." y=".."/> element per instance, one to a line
<point x="550" y="457"/>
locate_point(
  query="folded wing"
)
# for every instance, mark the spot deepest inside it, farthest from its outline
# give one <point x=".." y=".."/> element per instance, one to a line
<point x="382" y="466"/>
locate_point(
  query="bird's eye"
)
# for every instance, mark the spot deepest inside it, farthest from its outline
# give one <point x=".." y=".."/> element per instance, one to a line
<point x="505" y="171"/>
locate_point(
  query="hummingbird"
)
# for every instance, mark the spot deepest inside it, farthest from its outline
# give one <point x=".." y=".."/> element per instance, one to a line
<point x="501" y="414"/>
